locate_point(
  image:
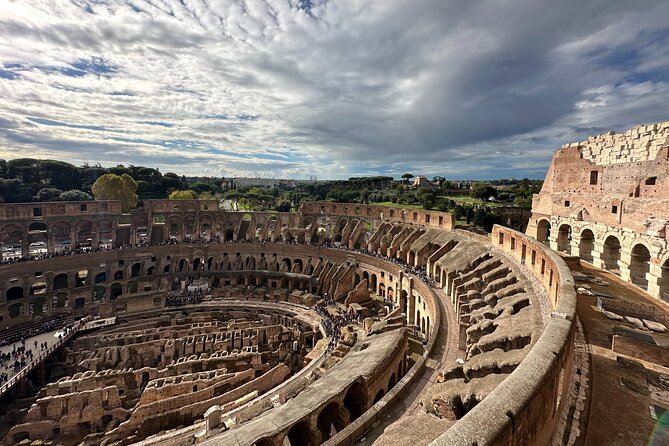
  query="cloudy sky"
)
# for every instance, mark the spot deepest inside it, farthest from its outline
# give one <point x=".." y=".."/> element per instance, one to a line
<point x="333" y="88"/>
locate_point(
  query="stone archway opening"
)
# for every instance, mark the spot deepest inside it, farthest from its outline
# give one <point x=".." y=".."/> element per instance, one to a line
<point x="404" y="302"/>
<point x="329" y="421"/>
<point x="378" y="396"/>
<point x="392" y="381"/>
<point x="299" y="434"/>
<point x="355" y="401"/>
<point x="611" y="255"/>
<point x="640" y="266"/>
<point x="586" y="245"/>
<point x="564" y="239"/>
<point x="543" y="231"/>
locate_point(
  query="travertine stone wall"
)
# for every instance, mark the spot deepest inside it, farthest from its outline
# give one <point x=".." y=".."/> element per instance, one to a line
<point x="606" y="200"/>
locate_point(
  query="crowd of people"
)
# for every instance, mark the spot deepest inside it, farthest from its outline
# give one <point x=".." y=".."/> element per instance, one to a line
<point x="45" y="327"/>
<point x="184" y="297"/>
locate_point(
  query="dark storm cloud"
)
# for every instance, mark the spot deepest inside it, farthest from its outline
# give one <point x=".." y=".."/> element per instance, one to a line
<point x="457" y="88"/>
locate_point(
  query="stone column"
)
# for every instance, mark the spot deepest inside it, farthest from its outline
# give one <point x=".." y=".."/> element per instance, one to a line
<point x="624" y="265"/>
<point x="95" y="236"/>
<point x="575" y="246"/>
<point x="50" y="242"/>
<point x="25" y="240"/>
<point x="597" y="251"/>
<point x="552" y="241"/>
<point x="654" y="277"/>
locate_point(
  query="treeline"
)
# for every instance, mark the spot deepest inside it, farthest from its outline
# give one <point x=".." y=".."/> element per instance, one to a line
<point x="29" y="180"/>
<point x="26" y="179"/>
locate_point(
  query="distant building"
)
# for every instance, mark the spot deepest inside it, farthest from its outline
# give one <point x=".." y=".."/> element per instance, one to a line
<point x="420" y="181"/>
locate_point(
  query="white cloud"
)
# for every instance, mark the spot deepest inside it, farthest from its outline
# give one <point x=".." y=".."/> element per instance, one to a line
<point x="455" y="88"/>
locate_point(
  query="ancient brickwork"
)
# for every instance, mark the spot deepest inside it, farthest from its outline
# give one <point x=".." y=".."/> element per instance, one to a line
<point x="247" y="360"/>
<point x="606" y="200"/>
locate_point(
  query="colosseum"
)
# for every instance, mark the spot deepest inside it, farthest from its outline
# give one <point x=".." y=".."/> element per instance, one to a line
<point x="606" y="200"/>
<point x="180" y="323"/>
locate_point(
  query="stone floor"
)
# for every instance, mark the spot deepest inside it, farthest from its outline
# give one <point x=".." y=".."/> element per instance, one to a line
<point x="407" y="415"/>
<point x="618" y="414"/>
<point x="50" y="338"/>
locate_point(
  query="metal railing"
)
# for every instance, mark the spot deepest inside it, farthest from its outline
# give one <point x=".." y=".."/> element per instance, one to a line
<point x="44" y="354"/>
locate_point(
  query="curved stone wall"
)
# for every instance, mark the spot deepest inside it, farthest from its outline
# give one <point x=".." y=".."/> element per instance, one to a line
<point x="512" y="297"/>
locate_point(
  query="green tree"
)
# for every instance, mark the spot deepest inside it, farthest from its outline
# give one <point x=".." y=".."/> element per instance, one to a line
<point x="482" y="191"/>
<point x="406" y="177"/>
<point x="48" y="194"/>
<point x="426" y="197"/>
<point x="74" y="195"/>
<point x="114" y="187"/>
<point x="183" y="195"/>
<point x="522" y="201"/>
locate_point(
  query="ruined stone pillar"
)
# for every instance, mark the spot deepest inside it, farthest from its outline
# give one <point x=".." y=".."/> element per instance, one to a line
<point x="552" y="241"/>
<point x="624" y="264"/>
<point x="574" y="244"/>
<point x="597" y="251"/>
<point x="25" y="240"/>
<point x="654" y="277"/>
<point x="50" y="243"/>
<point x="212" y="418"/>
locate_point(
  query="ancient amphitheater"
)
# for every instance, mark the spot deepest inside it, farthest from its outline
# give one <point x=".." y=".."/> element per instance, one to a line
<point x="289" y="328"/>
<point x="338" y="324"/>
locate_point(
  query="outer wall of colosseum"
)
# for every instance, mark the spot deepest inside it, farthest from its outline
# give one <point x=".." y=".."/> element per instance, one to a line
<point x="606" y="200"/>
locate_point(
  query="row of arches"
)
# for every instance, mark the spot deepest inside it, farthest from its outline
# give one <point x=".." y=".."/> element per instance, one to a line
<point x="610" y="257"/>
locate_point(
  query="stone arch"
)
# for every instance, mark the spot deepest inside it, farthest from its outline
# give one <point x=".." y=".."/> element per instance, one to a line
<point x="297" y="266"/>
<point x="300" y="434"/>
<point x="380" y="394"/>
<point x="611" y="254"/>
<point x="564" y="238"/>
<point x="83" y="231"/>
<point x="115" y="290"/>
<point x="135" y="269"/>
<point x="372" y="283"/>
<point x="197" y="264"/>
<point x="14" y="293"/>
<point x="392" y="381"/>
<point x="60" y="281"/>
<point x="183" y="265"/>
<point x="61" y="231"/>
<point x="586" y="245"/>
<point x="118" y="275"/>
<point x="543" y="230"/>
<point x="37" y="233"/>
<point x="640" y="265"/>
<point x="404" y="302"/>
<point x="355" y="401"/>
<point x="228" y="235"/>
<point x="285" y="264"/>
<point x="329" y="421"/>
<point x="382" y="289"/>
<point x="100" y="277"/>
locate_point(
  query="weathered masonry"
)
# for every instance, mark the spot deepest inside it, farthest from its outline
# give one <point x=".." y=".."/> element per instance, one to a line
<point x="249" y="363"/>
<point x="606" y="200"/>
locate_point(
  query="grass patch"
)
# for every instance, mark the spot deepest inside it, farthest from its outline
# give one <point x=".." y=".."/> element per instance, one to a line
<point x="390" y="204"/>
